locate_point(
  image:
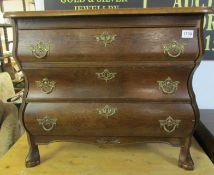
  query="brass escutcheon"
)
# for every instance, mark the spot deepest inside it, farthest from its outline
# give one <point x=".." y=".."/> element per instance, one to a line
<point x="106" y="38"/>
<point x="40" y="49"/>
<point x="169" y="125"/>
<point x="168" y="86"/>
<point x="174" y="49"/>
<point x="46" y="86"/>
<point x="106" y="75"/>
<point x="47" y="123"/>
<point x="107" y="111"/>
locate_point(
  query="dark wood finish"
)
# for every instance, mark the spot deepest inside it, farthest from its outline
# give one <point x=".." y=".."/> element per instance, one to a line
<point x="39" y="139"/>
<point x="79" y="45"/>
<point x="33" y="157"/>
<point x="82" y="83"/>
<point x="147" y="11"/>
<point x="185" y="159"/>
<point x="97" y="22"/>
<point x="205" y="132"/>
<point x="136" y="55"/>
<point x="83" y="119"/>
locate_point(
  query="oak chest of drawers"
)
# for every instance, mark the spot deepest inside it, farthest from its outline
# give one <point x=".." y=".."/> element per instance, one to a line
<point x="109" y="76"/>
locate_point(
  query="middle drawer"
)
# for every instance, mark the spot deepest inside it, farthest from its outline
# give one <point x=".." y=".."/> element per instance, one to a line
<point x="134" y="82"/>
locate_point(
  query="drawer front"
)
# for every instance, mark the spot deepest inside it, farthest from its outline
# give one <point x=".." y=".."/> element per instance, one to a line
<point x="109" y="119"/>
<point x="121" y="44"/>
<point x="137" y="82"/>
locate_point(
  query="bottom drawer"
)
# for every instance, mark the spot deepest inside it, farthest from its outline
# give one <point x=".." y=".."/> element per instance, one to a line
<point x="109" y="119"/>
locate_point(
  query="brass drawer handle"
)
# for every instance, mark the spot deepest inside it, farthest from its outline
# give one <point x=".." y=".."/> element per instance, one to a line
<point x="47" y="123"/>
<point x="46" y="85"/>
<point x="106" y="75"/>
<point x="104" y="140"/>
<point x="106" y="38"/>
<point x="168" y="86"/>
<point x="174" y="49"/>
<point x="40" y="49"/>
<point x="169" y="125"/>
<point x="107" y="111"/>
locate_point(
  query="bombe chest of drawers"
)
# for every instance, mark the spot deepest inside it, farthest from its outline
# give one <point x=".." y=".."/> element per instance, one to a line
<point x="109" y="76"/>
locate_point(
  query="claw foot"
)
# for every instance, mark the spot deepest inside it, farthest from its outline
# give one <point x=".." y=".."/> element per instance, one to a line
<point x="33" y="158"/>
<point x="186" y="162"/>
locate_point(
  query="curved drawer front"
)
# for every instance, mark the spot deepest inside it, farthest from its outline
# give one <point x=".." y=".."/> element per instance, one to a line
<point x="105" y="119"/>
<point x="133" y="44"/>
<point x="143" y="83"/>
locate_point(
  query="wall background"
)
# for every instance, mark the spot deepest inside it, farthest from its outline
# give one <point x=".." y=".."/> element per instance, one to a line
<point x="203" y="85"/>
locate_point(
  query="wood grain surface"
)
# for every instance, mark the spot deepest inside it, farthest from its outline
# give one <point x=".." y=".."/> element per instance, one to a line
<point x="146" y="11"/>
<point x="130" y="119"/>
<point x="134" y="53"/>
<point x="134" y="44"/>
<point x="130" y="83"/>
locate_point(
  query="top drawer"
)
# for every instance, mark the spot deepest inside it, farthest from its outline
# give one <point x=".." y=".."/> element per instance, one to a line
<point x="107" y="44"/>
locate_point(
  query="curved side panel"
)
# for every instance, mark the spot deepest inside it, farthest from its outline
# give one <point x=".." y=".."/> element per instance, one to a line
<point x="15" y="57"/>
<point x="197" y="63"/>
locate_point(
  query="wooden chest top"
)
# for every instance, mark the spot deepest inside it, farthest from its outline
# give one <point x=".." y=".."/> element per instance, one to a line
<point x="147" y="11"/>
